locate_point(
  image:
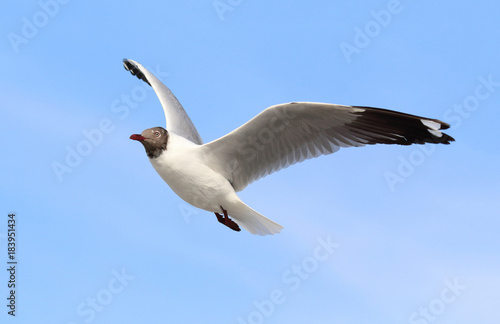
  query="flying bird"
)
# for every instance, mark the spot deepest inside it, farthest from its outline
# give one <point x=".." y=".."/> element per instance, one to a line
<point x="208" y="175"/>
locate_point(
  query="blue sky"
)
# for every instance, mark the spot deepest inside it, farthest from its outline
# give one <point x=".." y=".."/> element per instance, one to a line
<point x="380" y="234"/>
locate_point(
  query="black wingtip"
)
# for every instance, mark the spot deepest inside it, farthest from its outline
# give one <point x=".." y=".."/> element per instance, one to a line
<point x="134" y="69"/>
<point x="127" y="64"/>
<point x="401" y="128"/>
<point x="439" y="137"/>
<point x="444" y="125"/>
<point x="444" y="139"/>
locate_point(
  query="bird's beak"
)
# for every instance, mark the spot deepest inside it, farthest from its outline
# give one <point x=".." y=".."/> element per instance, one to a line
<point x="137" y="137"/>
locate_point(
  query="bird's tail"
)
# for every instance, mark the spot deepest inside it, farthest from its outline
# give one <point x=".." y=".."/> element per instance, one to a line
<point x="252" y="221"/>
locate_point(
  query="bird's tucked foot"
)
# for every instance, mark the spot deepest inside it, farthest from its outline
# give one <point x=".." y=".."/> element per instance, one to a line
<point x="227" y="221"/>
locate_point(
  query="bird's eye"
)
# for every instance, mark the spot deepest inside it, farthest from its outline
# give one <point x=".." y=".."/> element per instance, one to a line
<point x="157" y="134"/>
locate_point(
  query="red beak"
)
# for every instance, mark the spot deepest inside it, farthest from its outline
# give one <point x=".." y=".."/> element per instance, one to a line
<point x="137" y="137"/>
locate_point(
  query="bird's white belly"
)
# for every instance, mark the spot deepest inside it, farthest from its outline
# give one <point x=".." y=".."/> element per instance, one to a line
<point x="194" y="182"/>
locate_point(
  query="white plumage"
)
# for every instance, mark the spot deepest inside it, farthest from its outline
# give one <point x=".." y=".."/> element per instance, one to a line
<point x="208" y="175"/>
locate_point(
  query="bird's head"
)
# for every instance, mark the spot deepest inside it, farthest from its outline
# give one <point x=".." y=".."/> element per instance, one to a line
<point x="154" y="140"/>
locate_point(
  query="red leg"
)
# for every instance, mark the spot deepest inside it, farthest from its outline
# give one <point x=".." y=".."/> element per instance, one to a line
<point x="227" y="221"/>
<point x="220" y="218"/>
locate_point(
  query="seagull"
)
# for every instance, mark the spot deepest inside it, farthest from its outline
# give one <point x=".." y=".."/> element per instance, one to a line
<point x="208" y="175"/>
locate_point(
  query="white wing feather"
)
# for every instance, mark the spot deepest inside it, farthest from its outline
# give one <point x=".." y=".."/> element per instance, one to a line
<point x="286" y="134"/>
<point x="178" y="121"/>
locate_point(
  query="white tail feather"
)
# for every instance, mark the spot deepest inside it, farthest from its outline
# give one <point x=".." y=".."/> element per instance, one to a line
<point x="254" y="222"/>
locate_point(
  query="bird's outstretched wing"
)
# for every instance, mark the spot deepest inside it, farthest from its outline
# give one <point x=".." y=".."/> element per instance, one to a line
<point x="178" y="121"/>
<point x="286" y="134"/>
